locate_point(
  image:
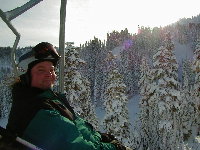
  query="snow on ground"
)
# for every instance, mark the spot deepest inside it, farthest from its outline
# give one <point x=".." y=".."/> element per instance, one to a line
<point x="183" y="51"/>
<point x="116" y="51"/>
<point x="133" y="109"/>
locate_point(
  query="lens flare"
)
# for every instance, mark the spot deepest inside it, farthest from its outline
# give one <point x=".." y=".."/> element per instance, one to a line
<point x="127" y="44"/>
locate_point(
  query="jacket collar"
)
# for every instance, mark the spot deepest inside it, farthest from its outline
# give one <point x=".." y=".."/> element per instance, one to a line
<point x="47" y="94"/>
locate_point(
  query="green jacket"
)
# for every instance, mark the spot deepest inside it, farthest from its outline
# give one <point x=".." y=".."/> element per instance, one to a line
<point x="50" y="130"/>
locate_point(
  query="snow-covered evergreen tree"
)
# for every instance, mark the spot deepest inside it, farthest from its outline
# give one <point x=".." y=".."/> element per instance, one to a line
<point x="94" y="52"/>
<point x="188" y="71"/>
<point x="5" y="101"/>
<point x="190" y="107"/>
<point x="77" y="87"/>
<point x="153" y="125"/>
<point x="196" y="93"/>
<point x="196" y="64"/>
<point x="147" y="105"/>
<point x="125" y="69"/>
<point x="5" y="95"/>
<point x="168" y="96"/>
<point x="187" y="109"/>
<point x="116" y="119"/>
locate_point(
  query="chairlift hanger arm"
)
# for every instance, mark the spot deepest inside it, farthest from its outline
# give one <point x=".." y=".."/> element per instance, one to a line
<point x="4" y="18"/>
<point x="10" y="15"/>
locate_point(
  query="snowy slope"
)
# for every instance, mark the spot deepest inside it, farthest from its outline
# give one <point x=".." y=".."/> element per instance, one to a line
<point x="133" y="109"/>
<point x="183" y="51"/>
<point x="116" y="51"/>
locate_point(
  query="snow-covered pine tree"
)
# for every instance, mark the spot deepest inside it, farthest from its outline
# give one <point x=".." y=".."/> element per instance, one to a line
<point x="188" y="69"/>
<point x="168" y="96"/>
<point x="129" y="67"/>
<point x="154" y="140"/>
<point x="5" y="101"/>
<point x="189" y="117"/>
<point x="196" y="93"/>
<point x="147" y="105"/>
<point x="5" y="95"/>
<point x="116" y="119"/>
<point x="134" y="62"/>
<point x="196" y="64"/>
<point x="77" y="87"/>
<point x="94" y="52"/>
<point x="187" y="109"/>
<point x="125" y="70"/>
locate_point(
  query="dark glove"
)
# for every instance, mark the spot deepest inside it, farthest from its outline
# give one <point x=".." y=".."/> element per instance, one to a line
<point x="107" y="138"/>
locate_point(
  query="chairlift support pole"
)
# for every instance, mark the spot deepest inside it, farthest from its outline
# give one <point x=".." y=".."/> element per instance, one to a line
<point x="62" y="44"/>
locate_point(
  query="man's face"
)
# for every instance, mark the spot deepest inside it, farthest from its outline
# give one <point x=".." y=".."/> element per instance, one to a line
<point x="43" y="75"/>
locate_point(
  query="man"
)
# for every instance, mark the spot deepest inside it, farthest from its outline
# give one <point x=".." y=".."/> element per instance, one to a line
<point x="45" y="118"/>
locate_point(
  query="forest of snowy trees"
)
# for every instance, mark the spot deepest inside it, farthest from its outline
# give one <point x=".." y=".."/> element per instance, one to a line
<point x="108" y="73"/>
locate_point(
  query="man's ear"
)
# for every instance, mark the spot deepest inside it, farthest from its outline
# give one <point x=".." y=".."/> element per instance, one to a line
<point x="25" y="79"/>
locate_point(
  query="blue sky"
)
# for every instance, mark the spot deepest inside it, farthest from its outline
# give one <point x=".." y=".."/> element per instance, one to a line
<point x="88" y="18"/>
